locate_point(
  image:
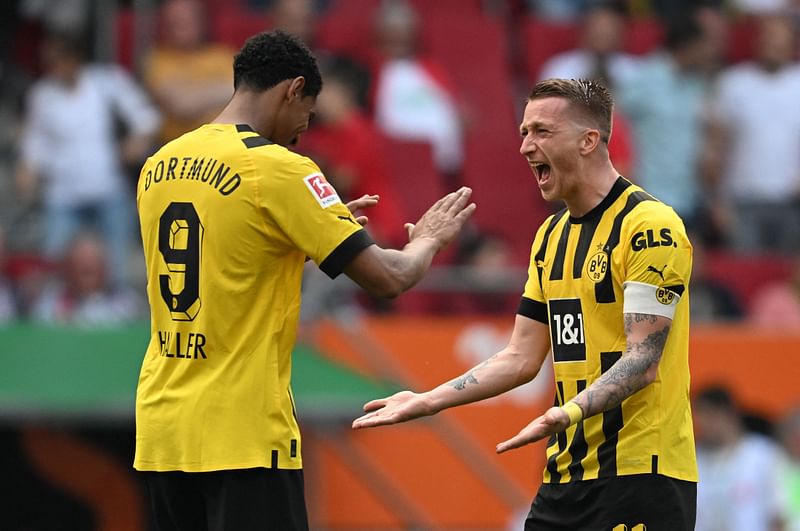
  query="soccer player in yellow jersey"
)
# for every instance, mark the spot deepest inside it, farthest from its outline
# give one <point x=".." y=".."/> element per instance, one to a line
<point x="228" y="217"/>
<point x="607" y="294"/>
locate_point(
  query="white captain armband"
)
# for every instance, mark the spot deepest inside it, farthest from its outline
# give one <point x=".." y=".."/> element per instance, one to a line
<point x="649" y="299"/>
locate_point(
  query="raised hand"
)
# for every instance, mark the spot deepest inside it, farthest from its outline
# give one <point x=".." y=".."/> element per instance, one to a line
<point x="365" y="201"/>
<point x="554" y="420"/>
<point x="399" y="407"/>
<point x="444" y="219"/>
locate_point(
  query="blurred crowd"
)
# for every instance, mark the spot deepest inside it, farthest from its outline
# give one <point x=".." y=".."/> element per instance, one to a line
<point x="707" y="120"/>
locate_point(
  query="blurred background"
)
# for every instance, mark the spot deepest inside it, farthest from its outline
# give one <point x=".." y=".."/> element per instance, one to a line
<point x="419" y="98"/>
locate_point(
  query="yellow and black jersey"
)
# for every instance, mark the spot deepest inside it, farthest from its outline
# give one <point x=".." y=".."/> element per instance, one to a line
<point x="228" y="219"/>
<point x="629" y="254"/>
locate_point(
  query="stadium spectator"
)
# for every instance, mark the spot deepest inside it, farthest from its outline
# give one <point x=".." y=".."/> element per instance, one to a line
<point x="664" y="101"/>
<point x="755" y="131"/>
<point x="82" y="295"/>
<point x="188" y="76"/>
<point x="789" y="431"/>
<point x="559" y="11"/>
<point x="740" y="482"/>
<point x="484" y="278"/>
<point x="71" y="152"/>
<point x="232" y="439"/>
<point x="413" y="100"/>
<point x="600" y="58"/>
<point x="637" y="463"/>
<point x="600" y="54"/>
<point x="777" y="304"/>
<point x="8" y="306"/>
<point x="347" y="146"/>
<point x="297" y="17"/>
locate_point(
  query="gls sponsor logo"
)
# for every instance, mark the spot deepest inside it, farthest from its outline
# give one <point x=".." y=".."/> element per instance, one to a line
<point x="647" y="239"/>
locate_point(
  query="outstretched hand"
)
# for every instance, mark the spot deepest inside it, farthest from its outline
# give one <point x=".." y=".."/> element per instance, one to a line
<point x="399" y="407"/>
<point x="365" y="201"/>
<point x="444" y="219"/>
<point x="553" y="421"/>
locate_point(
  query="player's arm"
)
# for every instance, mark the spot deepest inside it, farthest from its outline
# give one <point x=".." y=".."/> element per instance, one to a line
<point x="389" y="272"/>
<point x="646" y="336"/>
<point x="514" y="365"/>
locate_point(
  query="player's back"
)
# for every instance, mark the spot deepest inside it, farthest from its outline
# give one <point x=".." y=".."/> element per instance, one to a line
<point x="224" y="290"/>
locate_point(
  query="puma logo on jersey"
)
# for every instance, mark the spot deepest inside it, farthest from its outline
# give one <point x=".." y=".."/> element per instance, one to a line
<point x="656" y="271"/>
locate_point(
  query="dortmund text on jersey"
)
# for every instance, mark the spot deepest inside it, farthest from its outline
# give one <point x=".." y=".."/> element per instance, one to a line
<point x="227" y="221"/>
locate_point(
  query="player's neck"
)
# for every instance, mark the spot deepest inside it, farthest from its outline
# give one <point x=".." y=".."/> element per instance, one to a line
<point x="247" y="108"/>
<point x="593" y="185"/>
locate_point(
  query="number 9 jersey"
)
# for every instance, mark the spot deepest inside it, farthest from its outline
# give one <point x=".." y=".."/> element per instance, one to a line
<point x="629" y="254"/>
<point x="228" y="219"/>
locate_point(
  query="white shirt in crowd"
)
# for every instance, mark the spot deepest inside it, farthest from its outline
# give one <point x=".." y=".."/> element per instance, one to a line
<point x="740" y="487"/>
<point x="761" y="112"/>
<point x="411" y="105"/>
<point x="69" y="137"/>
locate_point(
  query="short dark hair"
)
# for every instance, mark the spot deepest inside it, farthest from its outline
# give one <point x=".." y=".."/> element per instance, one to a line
<point x="270" y="57"/>
<point x="588" y="97"/>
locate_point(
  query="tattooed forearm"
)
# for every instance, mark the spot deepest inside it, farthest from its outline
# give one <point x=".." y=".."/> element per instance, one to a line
<point x="461" y="382"/>
<point x="630" y="373"/>
<point x="469" y="378"/>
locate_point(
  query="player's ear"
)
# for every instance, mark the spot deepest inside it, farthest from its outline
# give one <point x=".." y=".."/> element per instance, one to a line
<point x="295" y="89"/>
<point x="590" y="141"/>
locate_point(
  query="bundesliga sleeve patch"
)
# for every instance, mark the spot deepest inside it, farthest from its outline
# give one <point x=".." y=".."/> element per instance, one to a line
<point x="322" y="190"/>
<point x="652" y="300"/>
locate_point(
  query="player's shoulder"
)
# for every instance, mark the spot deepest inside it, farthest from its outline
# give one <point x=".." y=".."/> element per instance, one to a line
<point x="648" y="210"/>
<point x="282" y="161"/>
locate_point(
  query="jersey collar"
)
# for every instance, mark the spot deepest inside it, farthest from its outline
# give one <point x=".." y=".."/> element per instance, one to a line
<point x="619" y="186"/>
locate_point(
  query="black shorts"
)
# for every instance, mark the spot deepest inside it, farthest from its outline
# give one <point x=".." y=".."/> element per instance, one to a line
<point x="650" y="502"/>
<point x="228" y="500"/>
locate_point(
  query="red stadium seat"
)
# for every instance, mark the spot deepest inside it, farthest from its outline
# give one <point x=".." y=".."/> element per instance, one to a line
<point x="643" y="35"/>
<point x="747" y="274"/>
<point x="542" y="40"/>
<point x="474" y="51"/>
<point x="234" y="26"/>
<point x="414" y="176"/>
<point x="125" y="38"/>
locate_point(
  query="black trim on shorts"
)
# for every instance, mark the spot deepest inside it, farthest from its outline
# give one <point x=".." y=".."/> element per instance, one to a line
<point x="533" y="310"/>
<point x="345" y="252"/>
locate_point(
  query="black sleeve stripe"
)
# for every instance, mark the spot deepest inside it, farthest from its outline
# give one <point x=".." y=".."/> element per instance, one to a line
<point x="677" y="289"/>
<point x="255" y="141"/>
<point x="345" y="252"/>
<point x="533" y="310"/>
<point x="244" y="128"/>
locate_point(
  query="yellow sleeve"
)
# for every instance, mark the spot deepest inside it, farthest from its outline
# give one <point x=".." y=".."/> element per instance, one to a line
<point x="311" y="214"/>
<point x="657" y="260"/>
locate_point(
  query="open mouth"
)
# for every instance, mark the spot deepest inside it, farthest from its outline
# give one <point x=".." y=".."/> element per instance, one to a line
<point x="541" y="171"/>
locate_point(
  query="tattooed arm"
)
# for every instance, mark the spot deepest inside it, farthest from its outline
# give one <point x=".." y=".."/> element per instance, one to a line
<point x="646" y="336"/>
<point x="515" y="365"/>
